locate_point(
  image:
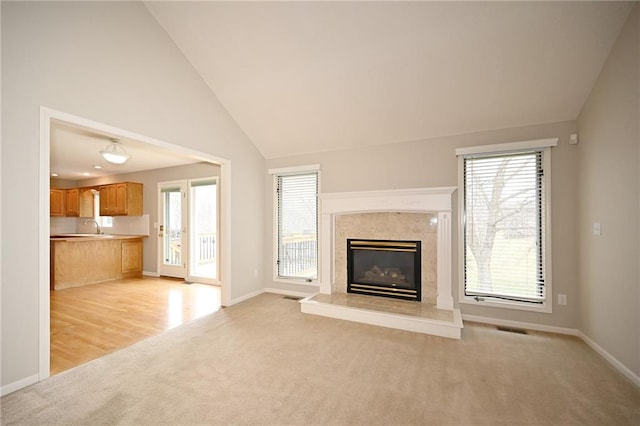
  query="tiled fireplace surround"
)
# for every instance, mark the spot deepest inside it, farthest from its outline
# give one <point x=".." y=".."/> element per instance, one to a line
<point x="412" y="214"/>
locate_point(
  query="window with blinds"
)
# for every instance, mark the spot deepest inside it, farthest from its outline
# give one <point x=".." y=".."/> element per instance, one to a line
<point x="297" y="223"/>
<point x="504" y="226"/>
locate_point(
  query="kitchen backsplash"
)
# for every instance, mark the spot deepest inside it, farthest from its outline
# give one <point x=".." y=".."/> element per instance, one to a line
<point x="122" y="225"/>
<point x="63" y="225"/>
<point x="129" y="225"/>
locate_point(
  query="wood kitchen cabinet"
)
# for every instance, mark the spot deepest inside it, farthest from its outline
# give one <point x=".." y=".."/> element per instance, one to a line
<point x="57" y="202"/>
<point x="73" y="202"/>
<point x="77" y="261"/>
<point x="131" y="258"/>
<point x="121" y="199"/>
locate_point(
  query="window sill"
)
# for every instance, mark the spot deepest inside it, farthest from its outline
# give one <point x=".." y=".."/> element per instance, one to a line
<point x="507" y="304"/>
<point x="297" y="281"/>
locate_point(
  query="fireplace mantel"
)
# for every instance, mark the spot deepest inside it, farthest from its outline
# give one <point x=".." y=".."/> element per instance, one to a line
<point x="431" y="200"/>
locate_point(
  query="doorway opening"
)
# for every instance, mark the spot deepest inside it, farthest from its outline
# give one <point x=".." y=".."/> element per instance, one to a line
<point x="47" y="118"/>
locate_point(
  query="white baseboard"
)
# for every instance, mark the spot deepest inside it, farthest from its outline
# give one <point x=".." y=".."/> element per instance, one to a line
<point x="246" y="297"/>
<point x="150" y="274"/>
<point x="630" y="375"/>
<point x="22" y="383"/>
<point x="288" y="292"/>
<point x="634" y="378"/>
<point x="520" y="324"/>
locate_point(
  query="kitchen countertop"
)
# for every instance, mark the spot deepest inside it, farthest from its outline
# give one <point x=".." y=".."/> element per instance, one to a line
<point x="93" y="237"/>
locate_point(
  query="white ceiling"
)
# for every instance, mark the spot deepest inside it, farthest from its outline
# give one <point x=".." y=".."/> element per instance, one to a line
<point x="303" y="77"/>
<point x="75" y="150"/>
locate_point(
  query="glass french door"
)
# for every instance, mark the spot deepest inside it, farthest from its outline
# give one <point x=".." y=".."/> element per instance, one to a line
<point x="188" y="230"/>
<point x="203" y="235"/>
<point x="173" y="230"/>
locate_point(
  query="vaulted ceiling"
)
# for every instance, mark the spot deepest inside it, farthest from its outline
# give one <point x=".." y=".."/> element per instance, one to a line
<point x="302" y="77"/>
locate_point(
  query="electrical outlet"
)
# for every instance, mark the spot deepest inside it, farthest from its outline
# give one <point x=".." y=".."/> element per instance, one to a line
<point x="562" y="299"/>
<point x="597" y="228"/>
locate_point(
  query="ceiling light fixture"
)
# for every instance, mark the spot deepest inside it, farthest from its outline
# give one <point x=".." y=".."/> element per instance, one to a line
<point x="115" y="152"/>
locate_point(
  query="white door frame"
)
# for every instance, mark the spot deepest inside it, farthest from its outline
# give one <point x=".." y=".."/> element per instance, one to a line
<point x="46" y="116"/>
<point x="184" y="187"/>
<point x="190" y="275"/>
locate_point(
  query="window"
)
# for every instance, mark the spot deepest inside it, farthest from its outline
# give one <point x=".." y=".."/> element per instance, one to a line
<point x="504" y="224"/>
<point x="104" y="221"/>
<point x="296" y="224"/>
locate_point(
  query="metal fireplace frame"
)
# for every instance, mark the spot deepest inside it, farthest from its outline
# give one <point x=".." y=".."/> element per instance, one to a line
<point x="396" y="290"/>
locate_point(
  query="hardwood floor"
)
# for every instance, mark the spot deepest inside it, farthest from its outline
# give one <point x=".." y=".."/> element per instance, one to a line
<point x="90" y="321"/>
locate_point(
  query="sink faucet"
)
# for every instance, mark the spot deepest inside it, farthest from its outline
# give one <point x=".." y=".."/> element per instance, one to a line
<point x="98" y="230"/>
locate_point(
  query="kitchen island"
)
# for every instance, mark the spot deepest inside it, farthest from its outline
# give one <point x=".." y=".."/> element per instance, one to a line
<point x="80" y="259"/>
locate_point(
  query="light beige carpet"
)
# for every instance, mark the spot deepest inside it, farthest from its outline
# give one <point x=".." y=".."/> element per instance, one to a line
<point x="263" y="362"/>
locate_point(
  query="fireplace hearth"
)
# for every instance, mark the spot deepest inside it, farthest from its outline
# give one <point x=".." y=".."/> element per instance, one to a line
<point x="384" y="268"/>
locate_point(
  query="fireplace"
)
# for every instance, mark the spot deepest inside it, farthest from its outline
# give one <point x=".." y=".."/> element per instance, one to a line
<point x="399" y="216"/>
<point x="384" y="268"/>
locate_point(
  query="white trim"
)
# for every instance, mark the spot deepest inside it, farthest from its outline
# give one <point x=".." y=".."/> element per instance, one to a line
<point x="444" y="298"/>
<point x="297" y="281"/>
<point x="625" y="371"/>
<point x="150" y="274"/>
<point x="547" y="305"/>
<point x="174" y="271"/>
<point x="288" y="292"/>
<point x="493" y="302"/>
<point x="406" y="200"/>
<point x="246" y="297"/>
<point x="44" y="308"/>
<point x="224" y="273"/>
<point x="46" y="116"/>
<point x="425" y="200"/>
<point x="204" y="280"/>
<point x="520" y="324"/>
<point x="287" y="171"/>
<point x="508" y="147"/>
<point x="22" y="383"/>
<point x="294" y="170"/>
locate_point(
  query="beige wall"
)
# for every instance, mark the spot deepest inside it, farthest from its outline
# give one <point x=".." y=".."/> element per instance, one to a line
<point x="150" y="180"/>
<point x="112" y="63"/>
<point x="609" y="194"/>
<point x="433" y="163"/>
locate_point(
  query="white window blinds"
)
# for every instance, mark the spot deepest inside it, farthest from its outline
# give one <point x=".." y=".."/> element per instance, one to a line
<point x="504" y="226"/>
<point x="297" y="216"/>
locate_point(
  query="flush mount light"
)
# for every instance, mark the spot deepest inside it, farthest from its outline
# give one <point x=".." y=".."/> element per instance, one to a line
<point x="97" y="167"/>
<point x="115" y="152"/>
<point x="54" y="174"/>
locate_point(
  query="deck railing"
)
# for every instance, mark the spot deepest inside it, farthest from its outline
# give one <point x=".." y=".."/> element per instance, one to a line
<point x="298" y="257"/>
<point x="205" y="250"/>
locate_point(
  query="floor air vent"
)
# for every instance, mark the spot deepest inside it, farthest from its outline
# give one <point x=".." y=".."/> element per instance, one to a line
<point x="297" y="299"/>
<point x="512" y="330"/>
